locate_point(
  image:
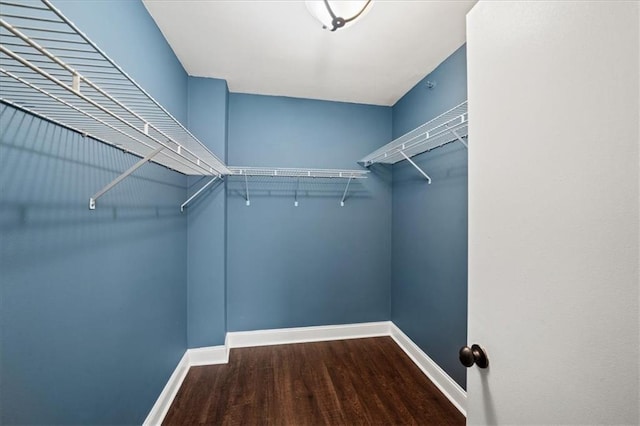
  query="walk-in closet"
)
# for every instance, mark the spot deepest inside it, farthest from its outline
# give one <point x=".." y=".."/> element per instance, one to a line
<point x="319" y="212"/>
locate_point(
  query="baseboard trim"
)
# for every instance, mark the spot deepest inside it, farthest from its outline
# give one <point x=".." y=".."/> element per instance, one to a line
<point x="208" y="355"/>
<point x="437" y="375"/>
<point x="191" y="358"/>
<point x="242" y="339"/>
<point x="283" y="336"/>
<point x="160" y="408"/>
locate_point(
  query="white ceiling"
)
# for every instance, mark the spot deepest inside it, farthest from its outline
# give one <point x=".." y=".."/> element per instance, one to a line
<point x="278" y="48"/>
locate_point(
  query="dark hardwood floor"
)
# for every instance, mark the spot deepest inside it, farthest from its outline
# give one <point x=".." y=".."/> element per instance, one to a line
<point x="345" y="382"/>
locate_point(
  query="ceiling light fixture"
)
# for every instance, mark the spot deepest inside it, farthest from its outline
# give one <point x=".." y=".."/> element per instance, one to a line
<point x="331" y="14"/>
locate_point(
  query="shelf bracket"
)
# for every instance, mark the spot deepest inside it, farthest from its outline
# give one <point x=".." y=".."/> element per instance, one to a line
<point x="295" y="199"/>
<point x="458" y="137"/>
<point x="94" y="198"/>
<point x="183" y="205"/>
<point x="344" y="196"/>
<point x="246" y="185"/>
<point x="416" y="166"/>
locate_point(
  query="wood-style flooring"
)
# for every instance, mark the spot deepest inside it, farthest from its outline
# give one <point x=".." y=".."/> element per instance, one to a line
<point x="344" y="382"/>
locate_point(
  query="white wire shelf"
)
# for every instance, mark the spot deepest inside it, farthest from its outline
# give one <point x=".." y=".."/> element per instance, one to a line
<point x="49" y="68"/>
<point x="445" y="128"/>
<point x="279" y="172"/>
<point x="298" y="173"/>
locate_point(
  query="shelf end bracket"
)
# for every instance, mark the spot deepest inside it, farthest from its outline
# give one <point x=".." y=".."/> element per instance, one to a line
<point x="183" y="205"/>
<point x="344" y="196"/>
<point x="458" y="137"/>
<point x="246" y="186"/>
<point x="94" y="198"/>
<point x="416" y="166"/>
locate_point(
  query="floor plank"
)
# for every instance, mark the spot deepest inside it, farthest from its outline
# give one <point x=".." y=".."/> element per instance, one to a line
<point x="346" y="382"/>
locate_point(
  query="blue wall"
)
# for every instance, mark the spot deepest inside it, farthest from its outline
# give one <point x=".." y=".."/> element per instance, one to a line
<point x="318" y="263"/>
<point x="208" y="99"/>
<point x="429" y="290"/>
<point x="92" y="303"/>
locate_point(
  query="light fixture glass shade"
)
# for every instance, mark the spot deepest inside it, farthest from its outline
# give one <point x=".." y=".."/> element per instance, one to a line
<point x="341" y="9"/>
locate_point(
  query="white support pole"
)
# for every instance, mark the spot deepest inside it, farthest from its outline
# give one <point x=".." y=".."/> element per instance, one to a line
<point x="458" y="137"/>
<point x="183" y="205"/>
<point x="416" y="166"/>
<point x="246" y="185"/>
<point x="345" y="192"/>
<point x="94" y="198"/>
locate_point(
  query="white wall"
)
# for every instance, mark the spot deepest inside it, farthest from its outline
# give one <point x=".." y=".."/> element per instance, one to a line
<point x="554" y="216"/>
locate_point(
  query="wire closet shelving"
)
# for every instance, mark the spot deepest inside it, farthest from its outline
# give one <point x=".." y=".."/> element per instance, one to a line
<point x="299" y="174"/>
<point x="50" y="69"/>
<point x="448" y="127"/>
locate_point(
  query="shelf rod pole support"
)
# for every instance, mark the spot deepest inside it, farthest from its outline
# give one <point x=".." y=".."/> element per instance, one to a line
<point x="198" y="193"/>
<point x="295" y="199"/>
<point x="94" y="198"/>
<point x="246" y="185"/>
<point x="345" y="192"/>
<point x="416" y="166"/>
<point x="458" y="137"/>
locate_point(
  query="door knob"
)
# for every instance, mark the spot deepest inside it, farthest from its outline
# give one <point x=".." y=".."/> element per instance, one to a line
<point x="473" y="355"/>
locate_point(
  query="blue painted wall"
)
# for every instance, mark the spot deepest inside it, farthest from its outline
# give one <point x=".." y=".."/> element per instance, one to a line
<point x="318" y="263"/>
<point x="92" y="303"/>
<point x="429" y="290"/>
<point x="208" y="99"/>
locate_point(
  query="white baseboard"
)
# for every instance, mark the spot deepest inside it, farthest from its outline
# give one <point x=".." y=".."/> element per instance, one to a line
<point x="208" y="356"/>
<point x="282" y="336"/>
<point x="242" y="339"/>
<point x="160" y="408"/>
<point x="191" y="358"/>
<point x="437" y="375"/>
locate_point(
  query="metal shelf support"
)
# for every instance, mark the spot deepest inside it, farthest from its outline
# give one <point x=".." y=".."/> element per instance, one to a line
<point x="295" y="199"/>
<point x="344" y="196"/>
<point x="246" y="186"/>
<point x="94" y="198"/>
<point x="417" y="167"/>
<point x="458" y="137"/>
<point x="205" y="186"/>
